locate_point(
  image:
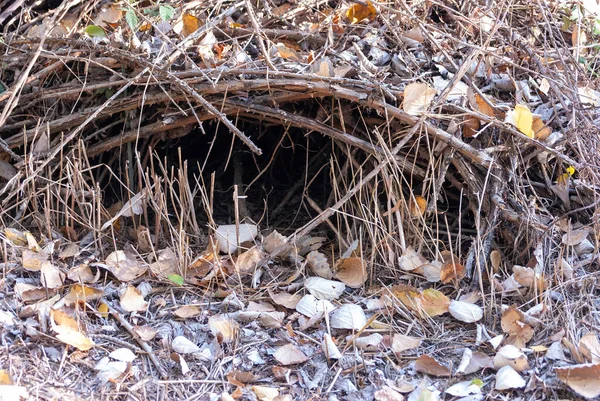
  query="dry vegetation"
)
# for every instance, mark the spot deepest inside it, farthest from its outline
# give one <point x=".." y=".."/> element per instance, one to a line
<point x="299" y="200"/>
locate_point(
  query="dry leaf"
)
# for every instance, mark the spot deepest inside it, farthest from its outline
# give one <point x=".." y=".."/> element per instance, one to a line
<point x="351" y="271"/>
<point x="265" y="393"/>
<point x="370" y="342"/>
<point x="417" y="98"/>
<point x="322" y="288"/>
<point x="319" y="265"/>
<point x="512" y="324"/>
<point x="411" y="260"/>
<point x="540" y="130"/>
<point x="225" y="329"/>
<point x="289" y="354"/>
<point x="349" y="316"/>
<point x="247" y="261"/>
<point x="287" y="53"/>
<point x="522" y="119"/>
<point x="330" y="348"/>
<point x="357" y="12"/>
<point x="132" y="300"/>
<point x="428" y="365"/>
<point x="285" y="299"/>
<point x="470" y="126"/>
<point x="310" y="306"/>
<point x="527" y="277"/>
<point x="507" y="378"/>
<point x="434" y="303"/>
<point x="32" y="261"/>
<point x="123" y="355"/>
<point x="590" y="347"/>
<point x="182" y="345"/>
<point x="399" y="343"/>
<point x="51" y="276"/>
<point x="451" y="272"/>
<point x="124" y="266"/>
<point x="509" y="355"/>
<point x="583" y="379"/>
<point x="15" y="236"/>
<point x="227" y="237"/>
<point x="387" y="394"/>
<point x="146" y="333"/>
<point x="83" y="274"/>
<point x="187" y="311"/>
<point x="465" y="388"/>
<point x="432" y="271"/>
<point x="5" y="379"/>
<point x="417" y="207"/>
<point x="190" y="24"/>
<point x="82" y="293"/>
<point x="472" y="362"/>
<point x="68" y="330"/>
<point x="465" y="311"/>
<point x="108" y="15"/>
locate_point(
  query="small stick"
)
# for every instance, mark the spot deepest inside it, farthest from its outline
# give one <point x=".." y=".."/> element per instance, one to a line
<point x="144" y="345"/>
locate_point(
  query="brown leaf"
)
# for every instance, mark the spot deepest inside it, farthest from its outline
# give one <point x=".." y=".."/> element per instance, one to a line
<point x="82" y="293"/>
<point x="289" y="354"/>
<point x="428" y="365"/>
<point x="357" y="12"/>
<point x="351" y="271"/>
<point x="68" y="330"/>
<point x="187" y="311"/>
<point x="132" y="300"/>
<point x="512" y="324"/>
<point x="583" y="379"/>
<point x="451" y="272"/>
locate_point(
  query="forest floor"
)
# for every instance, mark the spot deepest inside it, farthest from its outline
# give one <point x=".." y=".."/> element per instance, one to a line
<point x="286" y="200"/>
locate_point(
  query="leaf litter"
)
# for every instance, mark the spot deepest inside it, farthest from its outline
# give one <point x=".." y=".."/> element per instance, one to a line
<point x="392" y="309"/>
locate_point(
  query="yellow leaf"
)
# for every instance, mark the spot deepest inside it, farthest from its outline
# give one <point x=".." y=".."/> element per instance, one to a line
<point x="434" y="303"/>
<point x="418" y="206"/>
<point x="68" y="330"/>
<point x="541" y="131"/>
<point x="190" y="24"/>
<point x="357" y="12"/>
<point x="103" y="310"/>
<point x="417" y="98"/>
<point x="5" y="378"/>
<point x="521" y="118"/>
<point x="571" y="170"/>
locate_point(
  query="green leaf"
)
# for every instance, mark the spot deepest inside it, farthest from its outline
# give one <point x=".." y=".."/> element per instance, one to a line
<point x="132" y="19"/>
<point x="477" y="382"/>
<point x="95" y="31"/>
<point x="596" y="27"/>
<point x="176" y="278"/>
<point x="166" y="12"/>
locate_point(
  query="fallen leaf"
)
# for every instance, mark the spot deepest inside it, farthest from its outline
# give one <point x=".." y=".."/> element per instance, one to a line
<point x="522" y="119"/>
<point x="319" y="265"/>
<point x="310" y="306"/>
<point x="417" y="207"/>
<point x="583" y="379"/>
<point x="428" y="365"/>
<point x="287" y="53"/>
<point x="285" y="299"/>
<point x="472" y="362"/>
<point x="123" y="355"/>
<point x="465" y="388"/>
<point x="227" y="237"/>
<point x="330" y="348"/>
<point x="5" y="378"/>
<point x="434" y="303"/>
<point x="465" y="311"/>
<point x="417" y="98"/>
<point x="68" y="330"/>
<point x="264" y="393"/>
<point x="590" y="347"/>
<point x="399" y="343"/>
<point x="132" y="300"/>
<point x="519" y="333"/>
<point x="540" y="130"/>
<point x="182" y="345"/>
<point x="411" y="260"/>
<point x="349" y="317"/>
<point x="351" y="271"/>
<point x="83" y="274"/>
<point x="146" y="333"/>
<point x="82" y="293"/>
<point x="225" y="329"/>
<point x="509" y="355"/>
<point x="289" y="354"/>
<point x="247" y="261"/>
<point x="190" y="24"/>
<point x="51" y="276"/>
<point x="124" y="266"/>
<point x="388" y="394"/>
<point x="452" y="271"/>
<point x="187" y="311"/>
<point x="32" y="261"/>
<point x="358" y="12"/>
<point x="322" y="288"/>
<point x="507" y="378"/>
